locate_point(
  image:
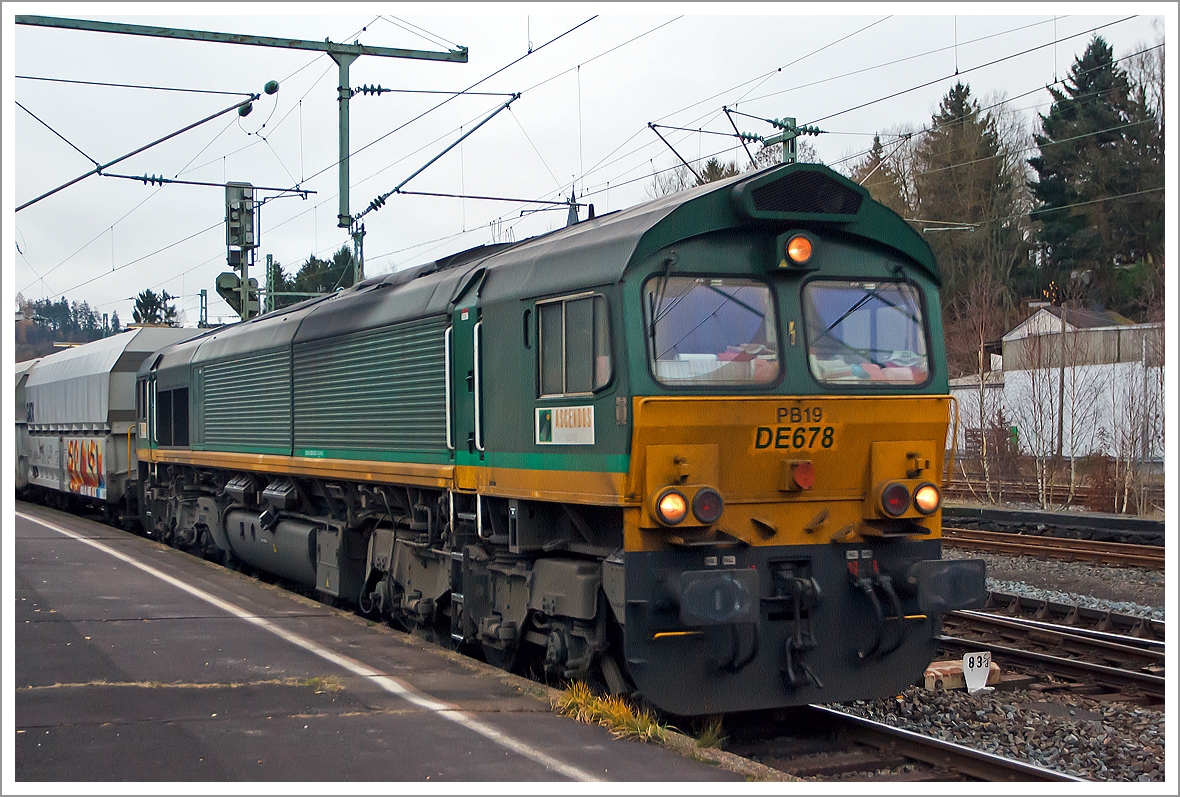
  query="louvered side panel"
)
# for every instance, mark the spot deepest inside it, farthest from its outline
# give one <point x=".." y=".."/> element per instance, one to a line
<point x="378" y="390"/>
<point x="247" y="404"/>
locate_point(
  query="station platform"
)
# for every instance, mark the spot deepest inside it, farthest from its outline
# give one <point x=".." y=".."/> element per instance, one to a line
<point x="136" y="662"/>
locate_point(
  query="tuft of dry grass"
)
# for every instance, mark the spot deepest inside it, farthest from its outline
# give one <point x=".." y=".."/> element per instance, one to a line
<point x="324" y="683"/>
<point x="615" y="713"/>
<point x="712" y="734"/>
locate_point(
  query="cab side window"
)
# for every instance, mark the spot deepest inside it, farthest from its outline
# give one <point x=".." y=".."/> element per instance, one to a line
<point x="574" y="351"/>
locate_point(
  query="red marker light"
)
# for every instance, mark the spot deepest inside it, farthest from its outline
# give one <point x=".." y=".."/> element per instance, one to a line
<point x="895" y="499"/>
<point x="707" y="505"/>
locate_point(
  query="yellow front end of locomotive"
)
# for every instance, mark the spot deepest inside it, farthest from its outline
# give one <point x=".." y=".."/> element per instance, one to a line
<point x="788" y="471"/>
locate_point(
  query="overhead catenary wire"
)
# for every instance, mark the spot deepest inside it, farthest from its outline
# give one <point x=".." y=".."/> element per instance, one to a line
<point x="616" y="184"/>
<point x="992" y="63"/>
<point x="540" y="157"/>
<point x="418" y="30"/>
<point x="144" y="257"/>
<point x="474" y="93"/>
<point x="814" y="83"/>
<point x="482" y="80"/>
<point x="468" y="90"/>
<point x="1033" y="211"/>
<point x="455" y="95"/>
<point x="964" y="71"/>
<point x="59" y="135"/>
<point x="133" y="86"/>
<point x="602" y="54"/>
<point x="121" y="158"/>
<point x="894" y="62"/>
<point x="613" y="182"/>
<point x="92" y="240"/>
<point x="1008" y="100"/>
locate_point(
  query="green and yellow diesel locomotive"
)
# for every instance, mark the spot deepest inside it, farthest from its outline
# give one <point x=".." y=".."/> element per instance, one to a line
<point x="691" y="449"/>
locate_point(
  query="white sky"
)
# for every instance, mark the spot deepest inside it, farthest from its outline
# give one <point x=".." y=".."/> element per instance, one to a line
<point x="582" y="119"/>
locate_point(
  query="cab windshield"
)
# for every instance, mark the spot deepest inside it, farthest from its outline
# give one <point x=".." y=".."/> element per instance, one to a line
<point x="865" y="332"/>
<point x="711" y="331"/>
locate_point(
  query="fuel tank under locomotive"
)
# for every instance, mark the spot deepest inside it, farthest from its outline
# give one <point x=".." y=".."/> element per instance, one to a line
<point x="287" y="548"/>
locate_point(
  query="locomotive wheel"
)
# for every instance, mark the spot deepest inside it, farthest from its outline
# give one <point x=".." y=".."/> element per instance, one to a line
<point x="611" y="675"/>
<point x="504" y="658"/>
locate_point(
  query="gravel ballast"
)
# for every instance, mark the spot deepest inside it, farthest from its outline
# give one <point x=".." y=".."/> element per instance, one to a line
<point x="1069" y="733"/>
<point x="1123" y="590"/>
<point x="1099" y="740"/>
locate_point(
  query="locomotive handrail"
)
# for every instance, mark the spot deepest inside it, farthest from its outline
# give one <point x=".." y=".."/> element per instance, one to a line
<point x="475" y="340"/>
<point x="950" y="463"/>
<point x="447" y="385"/>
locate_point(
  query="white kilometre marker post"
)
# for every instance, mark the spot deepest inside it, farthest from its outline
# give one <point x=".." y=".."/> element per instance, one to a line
<point x="976" y="668"/>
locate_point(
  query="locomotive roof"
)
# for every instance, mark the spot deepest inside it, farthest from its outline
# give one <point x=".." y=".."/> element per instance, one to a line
<point x="591" y="253"/>
<point x="599" y="251"/>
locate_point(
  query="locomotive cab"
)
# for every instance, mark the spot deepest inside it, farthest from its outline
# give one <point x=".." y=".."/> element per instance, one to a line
<point x="792" y="379"/>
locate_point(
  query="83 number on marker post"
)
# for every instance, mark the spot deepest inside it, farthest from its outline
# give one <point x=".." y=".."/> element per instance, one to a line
<point x="976" y="668"/>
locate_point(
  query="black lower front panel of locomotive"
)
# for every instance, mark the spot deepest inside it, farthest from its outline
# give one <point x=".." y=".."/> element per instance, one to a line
<point x="736" y="629"/>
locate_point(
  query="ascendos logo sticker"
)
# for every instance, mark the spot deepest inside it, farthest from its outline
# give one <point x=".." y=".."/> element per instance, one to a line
<point x="565" y="426"/>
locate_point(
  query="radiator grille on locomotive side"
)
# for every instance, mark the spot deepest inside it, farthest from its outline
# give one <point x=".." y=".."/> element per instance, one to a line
<point x="805" y="192"/>
<point x="246" y="404"/>
<point x="381" y="389"/>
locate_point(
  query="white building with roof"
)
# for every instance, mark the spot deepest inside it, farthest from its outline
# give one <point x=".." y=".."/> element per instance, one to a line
<point x="1074" y="382"/>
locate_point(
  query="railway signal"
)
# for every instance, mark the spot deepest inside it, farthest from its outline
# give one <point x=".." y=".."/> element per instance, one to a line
<point x="241" y="293"/>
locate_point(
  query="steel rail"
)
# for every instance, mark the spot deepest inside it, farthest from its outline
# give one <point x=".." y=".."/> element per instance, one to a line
<point x="1048" y="635"/>
<point x="1108" y="553"/>
<point x="1072" y="615"/>
<point x="974" y="763"/>
<point x="1143" y="643"/>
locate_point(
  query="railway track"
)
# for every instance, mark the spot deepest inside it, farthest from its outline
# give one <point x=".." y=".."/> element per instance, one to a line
<point x="1111" y="663"/>
<point x="1105" y="553"/>
<point x="1106" y="527"/>
<point x="823" y="743"/>
<point x="1074" y="616"/>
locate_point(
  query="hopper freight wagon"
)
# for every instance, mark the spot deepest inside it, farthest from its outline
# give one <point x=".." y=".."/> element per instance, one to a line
<point x="75" y="430"/>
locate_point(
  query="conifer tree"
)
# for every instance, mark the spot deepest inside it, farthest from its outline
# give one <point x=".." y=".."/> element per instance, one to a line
<point x="968" y="188"/>
<point x="879" y="173"/>
<point x="1098" y="206"/>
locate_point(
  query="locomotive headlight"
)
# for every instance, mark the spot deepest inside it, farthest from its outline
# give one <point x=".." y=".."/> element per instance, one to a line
<point x="671" y="507"/>
<point x="707" y="506"/>
<point x="799" y="249"/>
<point x="926" y="498"/>
<point x="895" y="499"/>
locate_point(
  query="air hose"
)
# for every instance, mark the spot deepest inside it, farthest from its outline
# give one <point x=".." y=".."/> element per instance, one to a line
<point x="866" y="586"/>
<point x="886" y="585"/>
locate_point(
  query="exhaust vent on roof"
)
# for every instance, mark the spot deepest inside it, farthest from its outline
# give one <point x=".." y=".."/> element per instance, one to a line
<point x="799" y="192"/>
<point x="805" y="192"/>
